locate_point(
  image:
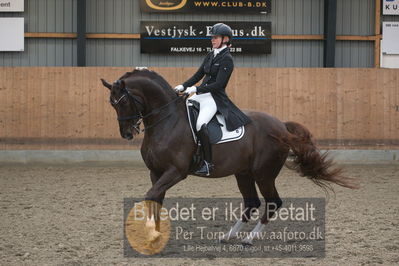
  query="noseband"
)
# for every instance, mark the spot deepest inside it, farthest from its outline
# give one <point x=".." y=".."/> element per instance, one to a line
<point x="140" y="116"/>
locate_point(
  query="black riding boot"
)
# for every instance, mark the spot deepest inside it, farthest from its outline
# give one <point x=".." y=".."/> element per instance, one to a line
<point x="207" y="166"/>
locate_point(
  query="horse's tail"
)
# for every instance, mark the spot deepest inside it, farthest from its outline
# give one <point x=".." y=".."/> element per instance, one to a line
<point x="309" y="162"/>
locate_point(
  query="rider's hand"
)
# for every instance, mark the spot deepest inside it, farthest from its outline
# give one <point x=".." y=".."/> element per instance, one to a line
<point x="179" y="88"/>
<point x="190" y="90"/>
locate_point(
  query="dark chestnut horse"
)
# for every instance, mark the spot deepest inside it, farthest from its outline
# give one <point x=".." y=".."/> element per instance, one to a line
<point x="257" y="158"/>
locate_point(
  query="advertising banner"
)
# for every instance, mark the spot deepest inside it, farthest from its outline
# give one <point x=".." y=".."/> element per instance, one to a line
<point x="390" y="37"/>
<point x="214" y="6"/>
<point x="12" y="34"/>
<point x="390" y="7"/>
<point x="11" y="5"/>
<point x="171" y="37"/>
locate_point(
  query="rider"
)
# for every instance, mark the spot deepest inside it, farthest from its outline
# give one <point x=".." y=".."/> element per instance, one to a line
<point x="211" y="95"/>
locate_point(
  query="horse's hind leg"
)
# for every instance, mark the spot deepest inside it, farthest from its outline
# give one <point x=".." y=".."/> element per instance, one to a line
<point x="246" y="184"/>
<point x="273" y="201"/>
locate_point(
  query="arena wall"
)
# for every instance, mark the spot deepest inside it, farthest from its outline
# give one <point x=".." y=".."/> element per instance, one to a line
<point x="66" y="108"/>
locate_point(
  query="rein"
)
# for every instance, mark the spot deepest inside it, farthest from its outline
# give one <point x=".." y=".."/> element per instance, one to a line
<point x="139" y="116"/>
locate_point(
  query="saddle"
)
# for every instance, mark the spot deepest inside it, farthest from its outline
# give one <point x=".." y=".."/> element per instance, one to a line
<point x="216" y="127"/>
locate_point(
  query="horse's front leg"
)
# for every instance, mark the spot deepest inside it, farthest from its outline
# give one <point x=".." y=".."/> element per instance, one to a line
<point x="154" y="178"/>
<point x="155" y="197"/>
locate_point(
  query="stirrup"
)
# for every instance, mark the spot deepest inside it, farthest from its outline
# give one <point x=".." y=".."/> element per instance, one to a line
<point x="205" y="169"/>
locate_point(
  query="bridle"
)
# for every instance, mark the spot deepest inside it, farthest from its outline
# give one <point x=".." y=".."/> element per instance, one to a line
<point x="123" y="118"/>
<point x="139" y="116"/>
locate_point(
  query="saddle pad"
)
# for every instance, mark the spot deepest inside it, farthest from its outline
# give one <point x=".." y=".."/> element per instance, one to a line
<point x="216" y="127"/>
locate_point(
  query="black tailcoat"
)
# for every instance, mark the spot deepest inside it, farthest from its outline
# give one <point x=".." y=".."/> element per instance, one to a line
<point x="217" y="71"/>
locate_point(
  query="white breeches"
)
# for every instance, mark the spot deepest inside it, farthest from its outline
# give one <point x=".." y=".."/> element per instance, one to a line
<point x="207" y="108"/>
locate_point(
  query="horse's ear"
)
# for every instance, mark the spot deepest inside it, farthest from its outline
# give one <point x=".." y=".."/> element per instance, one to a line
<point x="106" y="84"/>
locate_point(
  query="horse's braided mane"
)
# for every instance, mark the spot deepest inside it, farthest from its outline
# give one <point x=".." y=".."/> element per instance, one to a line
<point x="149" y="74"/>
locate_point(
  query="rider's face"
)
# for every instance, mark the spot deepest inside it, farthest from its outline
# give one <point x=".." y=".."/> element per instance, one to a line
<point x="216" y="41"/>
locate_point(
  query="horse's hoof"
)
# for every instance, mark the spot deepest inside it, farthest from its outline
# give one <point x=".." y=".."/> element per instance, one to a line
<point x="223" y="241"/>
<point x="246" y="243"/>
<point x="154" y="236"/>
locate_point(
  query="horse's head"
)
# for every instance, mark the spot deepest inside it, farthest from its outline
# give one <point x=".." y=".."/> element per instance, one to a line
<point x="126" y="107"/>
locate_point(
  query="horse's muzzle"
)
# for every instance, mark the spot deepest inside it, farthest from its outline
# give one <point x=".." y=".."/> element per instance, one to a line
<point x="127" y="136"/>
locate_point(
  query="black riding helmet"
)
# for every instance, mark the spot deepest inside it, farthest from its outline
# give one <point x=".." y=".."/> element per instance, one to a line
<point x="222" y="30"/>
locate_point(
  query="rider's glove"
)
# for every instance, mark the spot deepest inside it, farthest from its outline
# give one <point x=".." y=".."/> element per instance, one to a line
<point x="179" y="88"/>
<point x="190" y="90"/>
